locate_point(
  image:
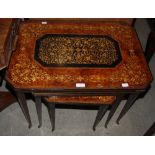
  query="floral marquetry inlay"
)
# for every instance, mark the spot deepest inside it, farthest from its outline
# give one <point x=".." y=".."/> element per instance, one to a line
<point x="82" y="99"/>
<point x="27" y="73"/>
<point x="77" y="51"/>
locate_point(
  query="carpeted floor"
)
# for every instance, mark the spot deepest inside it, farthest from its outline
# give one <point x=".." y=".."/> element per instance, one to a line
<point x="79" y="121"/>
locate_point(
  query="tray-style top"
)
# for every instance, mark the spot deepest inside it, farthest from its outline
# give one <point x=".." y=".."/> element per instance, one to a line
<point x="99" y="55"/>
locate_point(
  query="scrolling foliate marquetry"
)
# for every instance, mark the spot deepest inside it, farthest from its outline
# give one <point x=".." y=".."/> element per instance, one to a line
<point x="25" y="72"/>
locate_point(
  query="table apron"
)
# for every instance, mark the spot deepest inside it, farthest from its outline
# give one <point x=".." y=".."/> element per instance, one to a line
<point x="81" y="93"/>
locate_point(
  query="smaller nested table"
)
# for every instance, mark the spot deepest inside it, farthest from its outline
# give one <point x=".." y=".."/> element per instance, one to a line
<point x="73" y="59"/>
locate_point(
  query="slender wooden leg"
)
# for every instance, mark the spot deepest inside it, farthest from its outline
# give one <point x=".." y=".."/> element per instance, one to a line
<point x="23" y="104"/>
<point x="128" y="105"/>
<point x="113" y="109"/>
<point x="39" y="109"/>
<point x="52" y="114"/>
<point x="2" y="73"/>
<point x="101" y="112"/>
<point x="150" y="131"/>
<point x="150" y="48"/>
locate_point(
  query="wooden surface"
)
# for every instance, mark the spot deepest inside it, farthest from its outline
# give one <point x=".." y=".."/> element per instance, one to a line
<point x="8" y="28"/>
<point x="129" y="21"/>
<point x="150" y="131"/>
<point x="5" y="26"/>
<point x="150" y="46"/>
<point x="26" y="73"/>
<point x="82" y="99"/>
<point x="6" y="99"/>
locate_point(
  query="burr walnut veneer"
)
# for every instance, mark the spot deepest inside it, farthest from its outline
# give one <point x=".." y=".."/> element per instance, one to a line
<point x="68" y="54"/>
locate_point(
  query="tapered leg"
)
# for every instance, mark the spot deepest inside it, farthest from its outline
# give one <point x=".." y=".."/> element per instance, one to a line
<point x="128" y="105"/>
<point x="52" y="114"/>
<point x="113" y="109"/>
<point x="23" y="104"/>
<point x="39" y="109"/>
<point x="151" y="130"/>
<point x="101" y="112"/>
<point x="150" y="48"/>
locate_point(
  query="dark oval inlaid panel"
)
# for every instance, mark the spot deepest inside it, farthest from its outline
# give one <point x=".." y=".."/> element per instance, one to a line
<point x="69" y="50"/>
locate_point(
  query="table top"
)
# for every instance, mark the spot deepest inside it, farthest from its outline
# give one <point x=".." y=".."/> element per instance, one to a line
<point x="129" y="21"/>
<point x="64" y="55"/>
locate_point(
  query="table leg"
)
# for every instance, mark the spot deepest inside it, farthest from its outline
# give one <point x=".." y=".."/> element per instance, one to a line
<point x="151" y="130"/>
<point x="39" y="109"/>
<point x="150" y="48"/>
<point x="101" y="112"/>
<point x="113" y="108"/>
<point x="52" y="114"/>
<point x="23" y="104"/>
<point x="129" y="103"/>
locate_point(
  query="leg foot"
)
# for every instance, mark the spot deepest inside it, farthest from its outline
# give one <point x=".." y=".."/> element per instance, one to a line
<point x="101" y="112"/>
<point x="30" y="126"/>
<point x="113" y="109"/>
<point x="117" y="122"/>
<point x="23" y="105"/>
<point x="39" y="109"/>
<point x="52" y="115"/>
<point x="151" y="130"/>
<point x="128" y="105"/>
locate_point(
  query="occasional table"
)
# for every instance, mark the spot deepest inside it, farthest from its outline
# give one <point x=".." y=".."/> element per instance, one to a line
<point x="8" y="31"/>
<point x="73" y="59"/>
